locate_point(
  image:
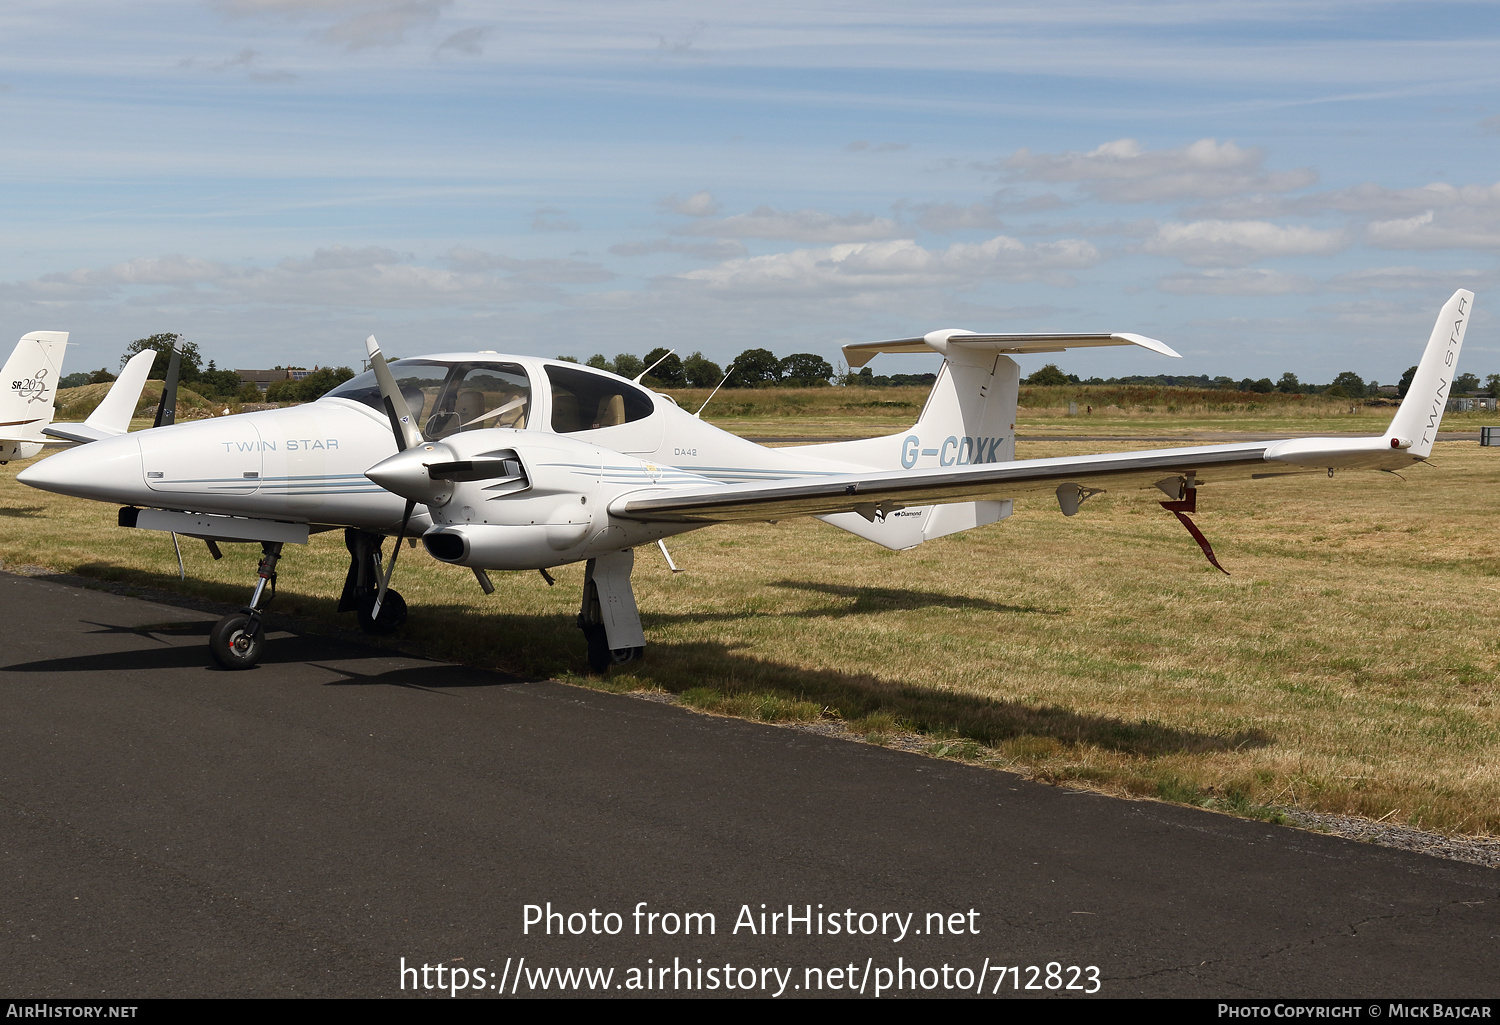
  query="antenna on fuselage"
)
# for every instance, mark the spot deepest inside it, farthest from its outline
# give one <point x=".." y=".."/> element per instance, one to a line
<point x="653" y="366"/>
<point x="711" y="394"/>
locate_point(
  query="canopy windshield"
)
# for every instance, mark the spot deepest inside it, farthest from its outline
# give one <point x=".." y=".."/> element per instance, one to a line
<point x="447" y="398"/>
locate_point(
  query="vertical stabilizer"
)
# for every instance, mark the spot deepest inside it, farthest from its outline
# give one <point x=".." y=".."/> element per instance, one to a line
<point x="28" y="385"/>
<point x="1415" y="425"/>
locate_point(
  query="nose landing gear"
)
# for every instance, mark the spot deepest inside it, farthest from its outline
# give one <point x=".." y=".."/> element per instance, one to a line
<point x="238" y="640"/>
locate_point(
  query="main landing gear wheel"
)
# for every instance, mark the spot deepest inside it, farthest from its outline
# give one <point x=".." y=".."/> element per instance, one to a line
<point x="237" y="640"/>
<point x="601" y="655"/>
<point x="392" y="613"/>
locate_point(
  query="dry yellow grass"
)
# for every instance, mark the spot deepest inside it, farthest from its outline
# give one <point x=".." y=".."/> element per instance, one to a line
<point x="1348" y="665"/>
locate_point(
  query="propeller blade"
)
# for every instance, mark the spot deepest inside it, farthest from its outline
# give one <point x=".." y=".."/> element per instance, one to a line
<point x="403" y="423"/>
<point x="166" y="409"/>
<point x="385" y="579"/>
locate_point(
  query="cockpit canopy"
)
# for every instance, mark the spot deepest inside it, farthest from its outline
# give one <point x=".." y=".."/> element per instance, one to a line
<point x="447" y="397"/>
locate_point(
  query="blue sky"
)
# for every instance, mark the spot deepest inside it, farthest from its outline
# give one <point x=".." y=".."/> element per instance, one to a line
<point x="1266" y="186"/>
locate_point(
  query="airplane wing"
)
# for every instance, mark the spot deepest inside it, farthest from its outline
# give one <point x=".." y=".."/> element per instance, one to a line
<point x="885" y="492"/>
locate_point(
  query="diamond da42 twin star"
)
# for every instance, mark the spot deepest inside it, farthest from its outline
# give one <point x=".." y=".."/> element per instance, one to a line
<point x="506" y="462"/>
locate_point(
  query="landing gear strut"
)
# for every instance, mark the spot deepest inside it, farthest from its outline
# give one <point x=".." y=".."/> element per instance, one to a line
<point x="238" y="640"/>
<point x="362" y="584"/>
<point x="608" y="617"/>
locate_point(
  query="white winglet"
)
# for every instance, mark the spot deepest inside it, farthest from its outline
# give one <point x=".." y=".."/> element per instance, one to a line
<point x="1415" y="425"/>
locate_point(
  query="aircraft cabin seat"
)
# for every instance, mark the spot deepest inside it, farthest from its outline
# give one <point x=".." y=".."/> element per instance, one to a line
<point x="611" y="411"/>
<point x="565" y="419"/>
<point x="470" y="405"/>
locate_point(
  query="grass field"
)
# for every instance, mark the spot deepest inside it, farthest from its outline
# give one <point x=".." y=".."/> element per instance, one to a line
<point x="1348" y="665"/>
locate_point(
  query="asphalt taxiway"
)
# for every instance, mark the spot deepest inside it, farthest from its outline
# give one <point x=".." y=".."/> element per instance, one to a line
<point x="168" y="829"/>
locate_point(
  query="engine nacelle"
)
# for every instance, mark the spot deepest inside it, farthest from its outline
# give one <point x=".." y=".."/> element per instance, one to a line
<point x="555" y="510"/>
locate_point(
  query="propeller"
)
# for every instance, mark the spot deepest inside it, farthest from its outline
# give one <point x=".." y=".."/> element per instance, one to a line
<point x="425" y="471"/>
<point x="408" y="440"/>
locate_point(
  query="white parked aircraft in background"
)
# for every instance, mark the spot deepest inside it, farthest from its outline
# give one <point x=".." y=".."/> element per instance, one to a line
<point x="520" y="463"/>
<point x="28" y="385"/>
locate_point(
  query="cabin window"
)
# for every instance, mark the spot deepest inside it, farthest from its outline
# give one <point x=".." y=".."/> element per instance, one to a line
<point x="583" y="401"/>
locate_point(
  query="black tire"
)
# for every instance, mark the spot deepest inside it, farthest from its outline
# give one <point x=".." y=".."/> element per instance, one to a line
<point x="237" y="641"/>
<point x="392" y="613"/>
<point x="624" y="656"/>
<point x="599" y="653"/>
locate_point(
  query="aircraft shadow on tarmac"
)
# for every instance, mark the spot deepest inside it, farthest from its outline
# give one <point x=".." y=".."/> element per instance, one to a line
<point x="680" y="666"/>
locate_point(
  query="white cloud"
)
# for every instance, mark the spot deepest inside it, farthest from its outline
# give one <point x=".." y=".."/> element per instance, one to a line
<point x="1455" y="228"/>
<point x="384" y="26"/>
<point x="1123" y="172"/>
<point x="699" y="204"/>
<point x="797" y="226"/>
<point x="1412" y="279"/>
<point x="333" y="277"/>
<point x="1236" y="243"/>
<point x="551" y="219"/>
<point x="719" y="249"/>
<point x="896" y="264"/>
<point x="537" y="271"/>
<point x="1236" y="282"/>
<point x="946" y="217"/>
<point x="864" y="145"/>
<point x="468" y="41"/>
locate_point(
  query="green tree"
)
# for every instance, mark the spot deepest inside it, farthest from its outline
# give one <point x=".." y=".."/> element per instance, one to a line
<point x="804" y="370"/>
<point x="1048" y="375"/>
<point x="77" y="380"/>
<point x="755" y="367"/>
<point x="1289" y="384"/>
<point x="311" y="387"/>
<point x="1350" y="385"/>
<point x="1465" y="384"/>
<point x="598" y="362"/>
<point x="1493" y="384"/>
<point x="1263" y="386"/>
<point x="700" y="372"/>
<point x="189" y="366"/>
<point x="668" y="373"/>
<point x="627" y="365"/>
<point x="218" y="383"/>
<point x="1405" y="385"/>
<point x="101" y="376"/>
<point x="567" y="359"/>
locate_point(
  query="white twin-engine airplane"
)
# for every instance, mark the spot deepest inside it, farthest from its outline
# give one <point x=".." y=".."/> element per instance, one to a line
<point x="28" y="385"/>
<point x="520" y="463"/>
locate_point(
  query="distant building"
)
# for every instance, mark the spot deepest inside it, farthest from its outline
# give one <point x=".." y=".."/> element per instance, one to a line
<point x="263" y="379"/>
<point x="1469" y="405"/>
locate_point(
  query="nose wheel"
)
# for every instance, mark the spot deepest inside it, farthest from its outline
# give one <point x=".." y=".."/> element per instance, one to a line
<point x="238" y="640"/>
